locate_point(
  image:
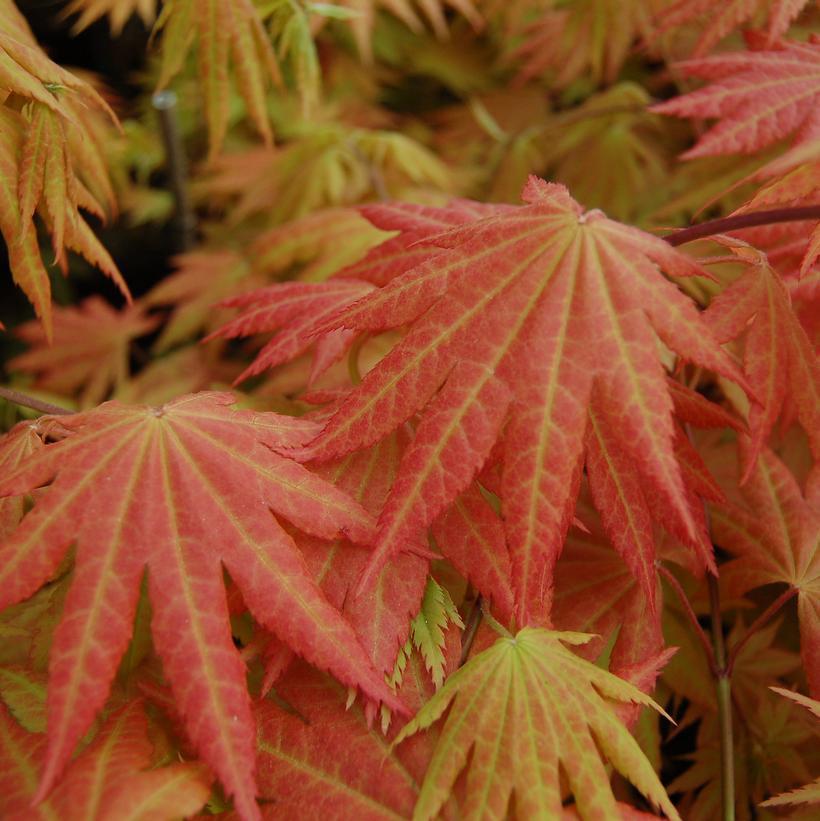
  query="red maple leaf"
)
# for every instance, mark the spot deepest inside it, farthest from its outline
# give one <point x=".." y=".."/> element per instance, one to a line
<point x="544" y="318"/>
<point x="112" y="778"/>
<point x="758" y="96"/>
<point x="778" y="357"/>
<point x="181" y="489"/>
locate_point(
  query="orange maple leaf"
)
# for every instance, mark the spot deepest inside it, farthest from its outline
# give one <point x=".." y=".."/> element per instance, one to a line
<point x="545" y="319"/>
<point x="90" y="352"/>
<point x="179" y="489"/>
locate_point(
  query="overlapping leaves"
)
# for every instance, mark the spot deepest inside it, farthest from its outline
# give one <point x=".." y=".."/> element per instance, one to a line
<point x="180" y="489"/>
<point x="543" y="322"/>
<point x="522" y="711"/>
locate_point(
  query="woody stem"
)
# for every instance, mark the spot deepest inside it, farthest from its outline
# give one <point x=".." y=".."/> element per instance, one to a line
<point x="738" y="221"/>
<point x="724" y="703"/>
<point x="27" y="401"/>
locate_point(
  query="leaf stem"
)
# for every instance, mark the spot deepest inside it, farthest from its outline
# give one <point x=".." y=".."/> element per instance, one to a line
<point x="471" y="625"/>
<point x="690" y="614"/>
<point x="165" y="104"/>
<point x="26" y="401"/>
<point x="757" y="624"/>
<point x="737" y="221"/>
<point x="724" y="703"/>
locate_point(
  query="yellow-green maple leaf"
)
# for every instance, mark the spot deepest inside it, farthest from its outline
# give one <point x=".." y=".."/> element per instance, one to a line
<point x="228" y="33"/>
<point x="529" y="709"/>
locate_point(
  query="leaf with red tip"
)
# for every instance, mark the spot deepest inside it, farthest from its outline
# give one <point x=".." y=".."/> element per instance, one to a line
<point x="179" y="489"/>
<point x="531" y="307"/>
<point x="759" y="96"/>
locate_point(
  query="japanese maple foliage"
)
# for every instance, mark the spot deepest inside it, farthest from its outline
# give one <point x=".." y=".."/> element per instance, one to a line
<point x="508" y="477"/>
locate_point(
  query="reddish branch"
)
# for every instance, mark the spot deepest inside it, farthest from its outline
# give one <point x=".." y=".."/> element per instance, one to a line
<point x="738" y="221"/>
<point x="31" y="402"/>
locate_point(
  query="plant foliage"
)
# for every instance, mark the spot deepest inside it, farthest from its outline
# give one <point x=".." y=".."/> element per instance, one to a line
<point x="432" y="479"/>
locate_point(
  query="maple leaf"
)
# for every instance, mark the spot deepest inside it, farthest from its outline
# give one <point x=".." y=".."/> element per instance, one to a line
<point x="296" y="310"/>
<point x="720" y="21"/>
<point x="109" y="779"/>
<point x="589" y="37"/>
<point x="794" y="179"/>
<point x="769" y="753"/>
<point x="118" y="12"/>
<point x="381" y="617"/>
<point x="759" y="96"/>
<point x="775" y="537"/>
<point x="325" y="757"/>
<point x="26" y="264"/>
<point x="90" y="349"/>
<point x="509" y="725"/>
<point x="542" y="278"/>
<point x="778" y="357"/>
<point x="363" y="17"/>
<point x="201" y="279"/>
<point x="609" y="151"/>
<point x="322" y="166"/>
<point x="24" y="692"/>
<point x="15" y="447"/>
<point x="135" y="504"/>
<point x="228" y="32"/>
<point x="810" y="794"/>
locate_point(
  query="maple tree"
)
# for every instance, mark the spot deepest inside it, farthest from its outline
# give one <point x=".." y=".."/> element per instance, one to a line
<point x="454" y="464"/>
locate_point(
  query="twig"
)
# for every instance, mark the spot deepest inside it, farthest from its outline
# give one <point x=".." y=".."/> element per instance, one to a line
<point x="757" y="624"/>
<point x="165" y="103"/>
<point x="724" y="703"/>
<point x="690" y="614"/>
<point x="27" y="401"/>
<point x="738" y="221"/>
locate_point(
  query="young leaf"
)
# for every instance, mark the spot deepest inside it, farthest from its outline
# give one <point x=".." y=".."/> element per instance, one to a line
<point x="517" y="317"/>
<point x="759" y="96"/>
<point x="180" y="489"/>
<point x="522" y="711"/>
<point x="227" y="32"/>
<point x="427" y="629"/>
